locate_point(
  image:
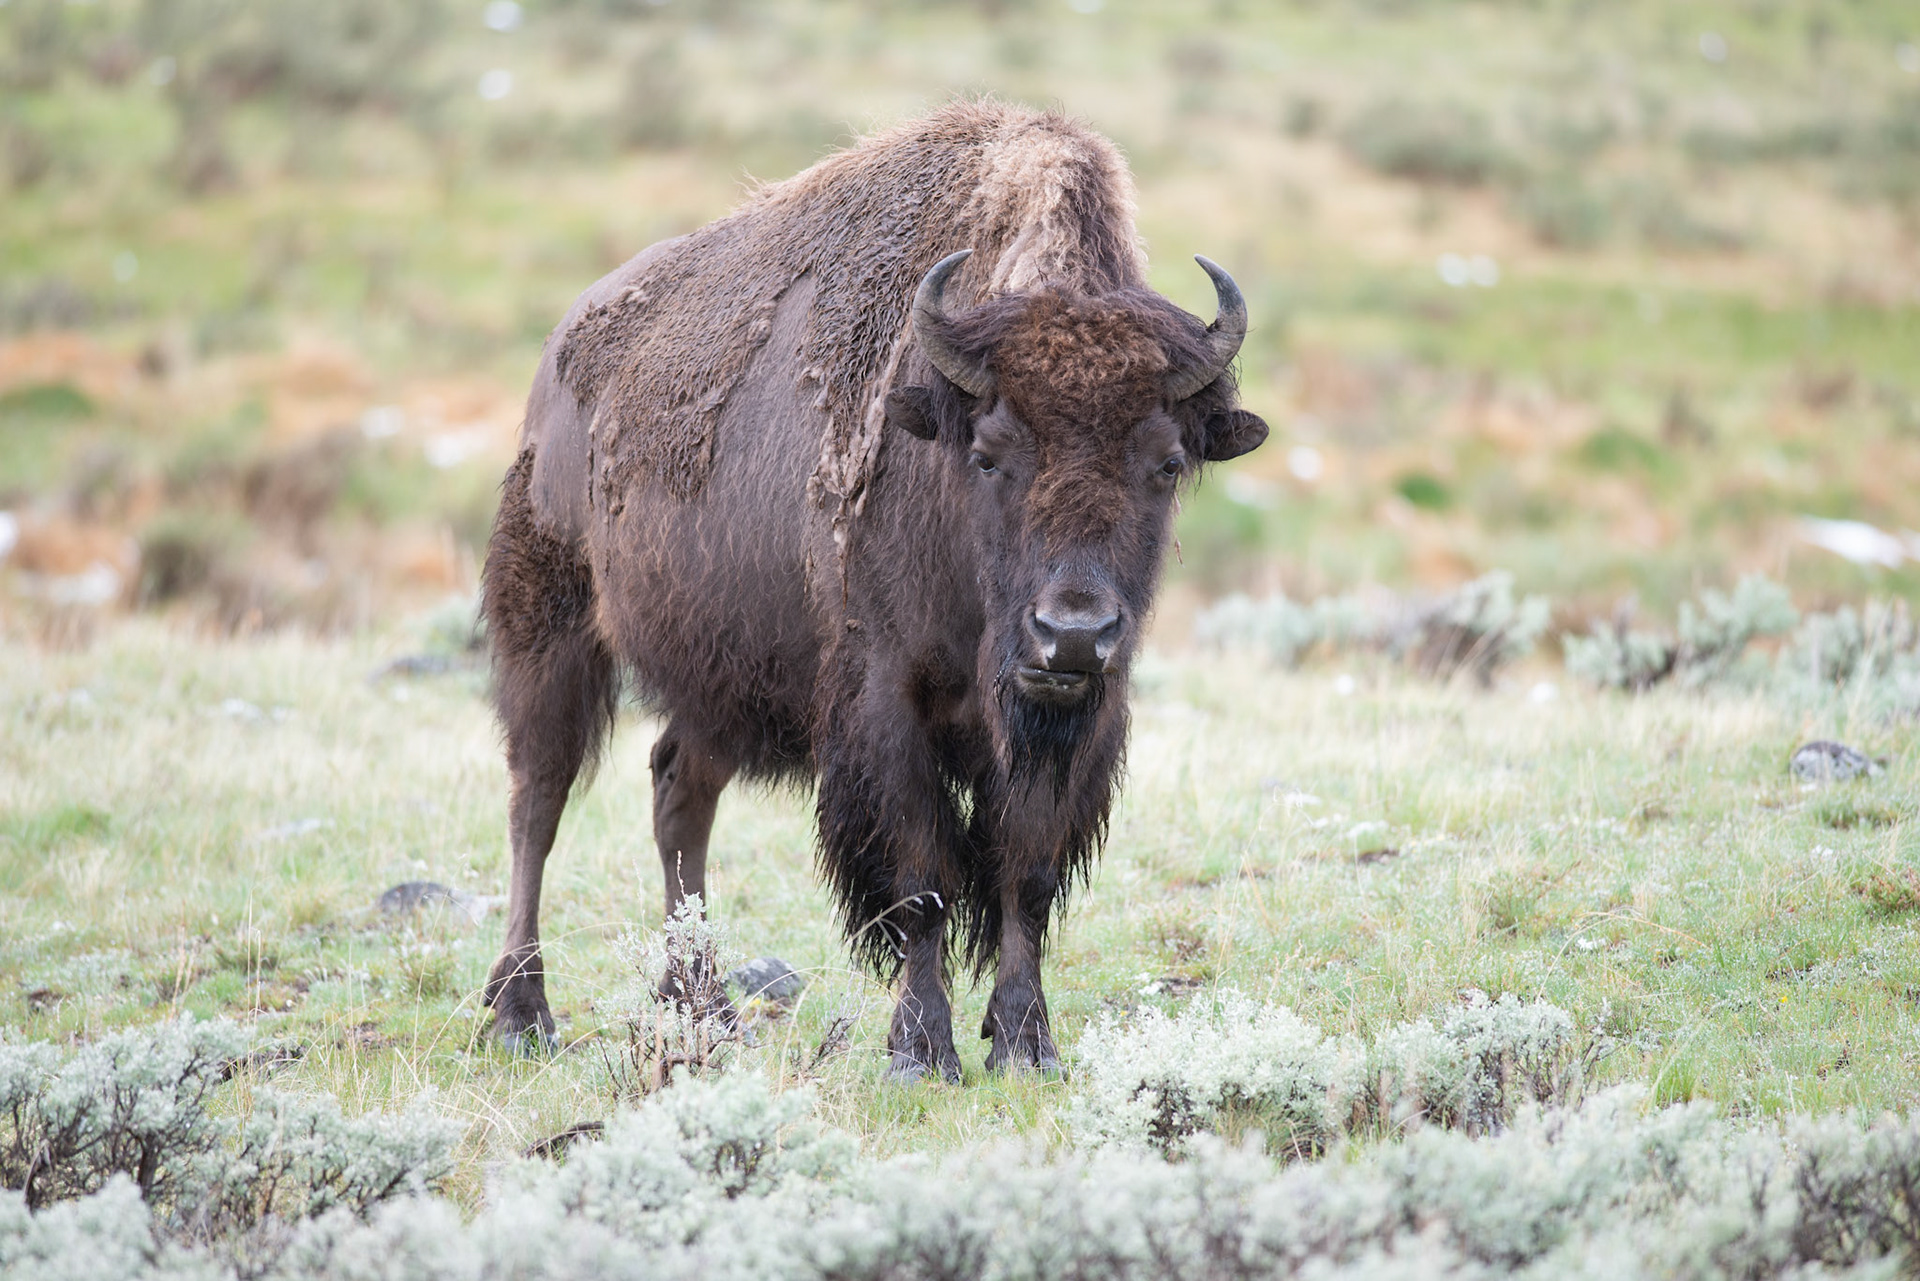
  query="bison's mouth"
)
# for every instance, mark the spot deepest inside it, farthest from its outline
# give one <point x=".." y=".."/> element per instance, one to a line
<point x="1047" y="685"/>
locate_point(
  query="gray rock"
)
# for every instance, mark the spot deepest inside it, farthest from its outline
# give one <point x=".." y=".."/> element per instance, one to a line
<point x="411" y="896"/>
<point x="1822" y="761"/>
<point x="415" y="896"/>
<point x="768" y="978"/>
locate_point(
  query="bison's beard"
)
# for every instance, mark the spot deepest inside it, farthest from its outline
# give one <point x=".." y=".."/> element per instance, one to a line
<point x="1043" y="738"/>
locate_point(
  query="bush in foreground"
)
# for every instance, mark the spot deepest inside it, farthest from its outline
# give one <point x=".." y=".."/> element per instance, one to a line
<point x="1231" y="1065"/>
<point x="132" y="1116"/>
<point x="721" y="1179"/>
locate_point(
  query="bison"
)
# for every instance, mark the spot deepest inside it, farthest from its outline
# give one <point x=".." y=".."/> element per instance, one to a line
<point x="868" y="483"/>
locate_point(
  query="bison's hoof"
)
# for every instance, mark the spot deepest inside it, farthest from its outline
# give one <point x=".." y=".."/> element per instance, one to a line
<point x="1026" y="1056"/>
<point x="906" y="1069"/>
<point x="531" y="1043"/>
<point x="524" y="1027"/>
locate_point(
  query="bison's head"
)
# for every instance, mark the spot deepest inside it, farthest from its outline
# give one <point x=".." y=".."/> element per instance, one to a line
<point x="1073" y="420"/>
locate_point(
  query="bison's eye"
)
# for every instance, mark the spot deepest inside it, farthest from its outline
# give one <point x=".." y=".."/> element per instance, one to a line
<point x="985" y="464"/>
<point x="1174" y="466"/>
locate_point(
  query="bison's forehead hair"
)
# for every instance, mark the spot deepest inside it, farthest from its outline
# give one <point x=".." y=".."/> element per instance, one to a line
<point x="1062" y="359"/>
<point x="1080" y="371"/>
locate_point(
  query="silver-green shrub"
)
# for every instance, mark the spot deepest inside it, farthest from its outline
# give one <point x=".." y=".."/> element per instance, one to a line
<point x="1857" y="1190"/>
<point x="1280" y="628"/>
<point x="1715" y="633"/>
<point x="131" y="1114"/>
<point x="1484" y="1061"/>
<point x="714" y="1178"/>
<point x="1512" y="1051"/>
<point x="1846" y="647"/>
<point x="1607" y="1189"/>
<point x="1230" y="1063"/>
<point x="1708" y="647"/>
<point x="661" y="1171"/>
<point x="1165" y="1077"/>
<point x="725" y="1180"/>
<point x="296" y="1158"/>
<point x="675" y="1012"/>
<point x="1614" y="656"/>
<point x="106" y="1234"/>
<point x="1477" y="628"/>
<point x="133" y="1103"/>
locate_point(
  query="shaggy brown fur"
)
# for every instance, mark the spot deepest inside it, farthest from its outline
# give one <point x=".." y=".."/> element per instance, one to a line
<point x="936" y="622"/>
<point x="538" y="599"/>
<point x="1035" y="195"/>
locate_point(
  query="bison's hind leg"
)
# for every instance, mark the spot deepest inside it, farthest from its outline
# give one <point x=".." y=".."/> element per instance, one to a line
<point x="556" y="688"/>
<point x="688" y="776"/>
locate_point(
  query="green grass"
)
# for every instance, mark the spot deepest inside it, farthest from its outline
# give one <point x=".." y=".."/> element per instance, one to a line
<point x="1720" y="341"/>
<point x="205" y="828"/>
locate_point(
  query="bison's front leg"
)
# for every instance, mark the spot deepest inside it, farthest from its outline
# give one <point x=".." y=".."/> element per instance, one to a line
<point x="1016" y="1018"/>
<point x="1041" y="837"/>
<point x="889" y="840"/>
<point x="920" y="1039"/>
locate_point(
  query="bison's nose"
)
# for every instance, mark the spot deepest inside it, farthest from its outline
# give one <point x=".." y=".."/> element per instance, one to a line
<point x="1076" y="640"/>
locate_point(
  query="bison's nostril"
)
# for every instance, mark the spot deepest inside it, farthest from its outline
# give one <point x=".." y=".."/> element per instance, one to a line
<point x="1076" y="640"/>
<point x="1045" y="632"/>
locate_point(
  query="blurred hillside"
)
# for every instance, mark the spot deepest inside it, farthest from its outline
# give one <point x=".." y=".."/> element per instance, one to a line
<point x="1609" y="295"/>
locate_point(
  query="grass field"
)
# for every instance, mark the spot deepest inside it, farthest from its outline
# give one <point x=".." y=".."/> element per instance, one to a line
<point x="205" y="828"/>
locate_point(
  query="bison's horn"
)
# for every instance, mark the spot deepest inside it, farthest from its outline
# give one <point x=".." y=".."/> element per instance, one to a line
<point x="1224" y="336"/>
<point x="929" y="325"/>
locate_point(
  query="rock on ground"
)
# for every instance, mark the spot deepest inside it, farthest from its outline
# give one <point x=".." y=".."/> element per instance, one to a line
<point x="414" y="896"/>
<point x="768" y="978"/>
<point x="1822" y="761"/>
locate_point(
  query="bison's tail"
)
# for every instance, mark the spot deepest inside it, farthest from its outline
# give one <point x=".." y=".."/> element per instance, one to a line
<point x="555" y="683"/>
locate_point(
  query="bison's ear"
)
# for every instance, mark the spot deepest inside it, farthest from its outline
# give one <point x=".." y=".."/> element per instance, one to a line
<point x="1233" y="432"/>
<point x="911" y="410"/>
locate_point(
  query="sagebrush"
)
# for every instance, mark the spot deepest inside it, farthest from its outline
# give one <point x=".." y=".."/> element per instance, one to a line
<point x="723" y="1179"/>
<point x="1477" y="629"/>
<point x="1226" y="1063"/>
